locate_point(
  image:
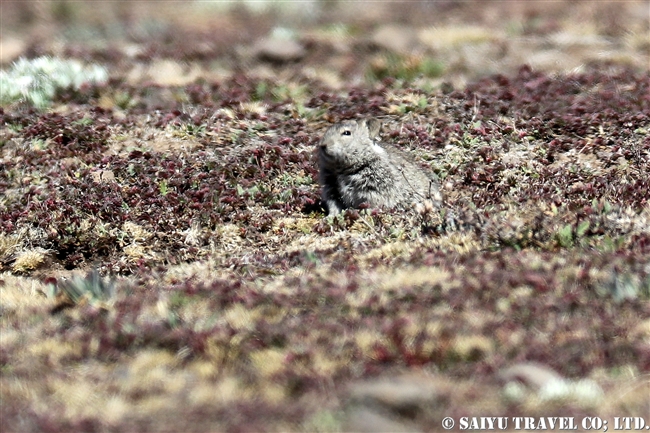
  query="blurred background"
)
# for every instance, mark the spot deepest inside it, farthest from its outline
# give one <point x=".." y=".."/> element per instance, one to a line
<point x="337" y="42"/>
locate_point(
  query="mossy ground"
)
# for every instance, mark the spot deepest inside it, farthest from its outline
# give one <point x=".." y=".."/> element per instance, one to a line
<point x="190" y="178"/>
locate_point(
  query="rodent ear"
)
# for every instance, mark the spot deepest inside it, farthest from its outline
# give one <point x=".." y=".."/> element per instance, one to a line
<point x="374" y="126"/>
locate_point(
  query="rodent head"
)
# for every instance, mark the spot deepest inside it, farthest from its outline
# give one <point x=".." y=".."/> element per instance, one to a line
<point x="350" y="143"/>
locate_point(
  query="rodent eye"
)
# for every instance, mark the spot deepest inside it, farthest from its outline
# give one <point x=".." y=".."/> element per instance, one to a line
<point x="346" y="132"/>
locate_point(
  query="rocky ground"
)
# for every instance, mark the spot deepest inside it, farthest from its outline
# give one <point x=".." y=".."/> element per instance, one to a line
<point x="226" y="300"/>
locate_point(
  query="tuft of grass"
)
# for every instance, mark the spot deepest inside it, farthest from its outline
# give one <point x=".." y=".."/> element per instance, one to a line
<point x="90" y="289"/>
<point x="8" y="245"/>
<point x="405" y="68"/>
<point x="622" y="286"/>
<point x="189" y="130"/>
<point x="37" y="81"/>
<point x="29" y="260"/>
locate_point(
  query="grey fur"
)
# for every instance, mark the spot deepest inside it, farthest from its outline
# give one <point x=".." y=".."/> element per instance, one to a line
<point x="355" y="168"/>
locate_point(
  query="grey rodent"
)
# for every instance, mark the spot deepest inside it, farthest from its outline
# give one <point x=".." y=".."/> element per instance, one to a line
<point x="355" y="168"/>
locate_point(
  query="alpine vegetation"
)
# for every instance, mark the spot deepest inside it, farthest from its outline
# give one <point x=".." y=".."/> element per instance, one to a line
<point x="36" y="81"/>
<point x="91" y="289"/>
